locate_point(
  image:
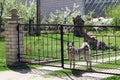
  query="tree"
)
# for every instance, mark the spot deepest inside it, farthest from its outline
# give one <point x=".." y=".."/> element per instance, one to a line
<point x="63" y="16"/>
<point x="114" y="12"/>
<point x="1" y="14"/>
<point x="25" y="10"/>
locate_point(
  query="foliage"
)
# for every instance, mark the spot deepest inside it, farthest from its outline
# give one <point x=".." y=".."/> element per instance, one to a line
<point x="24" y="10"/>
<point x="114" y="12"/>
<point x="63" y="16"/>
<point x="88" y="18"/>
<point x="100" y="21"/>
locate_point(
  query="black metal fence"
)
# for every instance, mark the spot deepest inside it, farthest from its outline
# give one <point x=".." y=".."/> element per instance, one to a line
<point x="44" y="46"/>
<point x="103" y="41"/>
<point x="50" y="46"/>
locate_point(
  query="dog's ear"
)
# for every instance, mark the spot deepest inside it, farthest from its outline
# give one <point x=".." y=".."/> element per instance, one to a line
<point x="67" y="43"/>
<point x="73" y="43"/>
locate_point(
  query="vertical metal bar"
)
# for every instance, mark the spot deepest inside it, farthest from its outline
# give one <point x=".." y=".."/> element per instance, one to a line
<point x="39" y="48"/>
<point x="27" y="40"/>
<point x="109" y="46"/>
<point x="18" y="55"/>
<point x="62" y="47"/>
<point x="26" y="43"/>
<point x="43" y="45"/>
<point x="47" y="47"/>
<point x="52" y="46"/>
<point x="102" y="50"/>
<point x="115" y="51"/>
<point x="34" y="50"/>
<point x="79" y="46"/>
<point x="38" y="6"/>
<point x="56" y="45"/>
<point x="31" y="57"/>
<point x="96" y="48"/>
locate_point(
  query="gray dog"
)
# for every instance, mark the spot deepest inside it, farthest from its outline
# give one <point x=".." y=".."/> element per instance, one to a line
<point x="83" y="51"/>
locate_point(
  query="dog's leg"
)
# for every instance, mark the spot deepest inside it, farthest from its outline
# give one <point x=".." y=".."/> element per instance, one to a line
<point x="89" y="61"/>
<point x="85" y="57"/>
<point x="87" y="64"/>
<point x="69" y="59"/>
<point x="74" y="63"/>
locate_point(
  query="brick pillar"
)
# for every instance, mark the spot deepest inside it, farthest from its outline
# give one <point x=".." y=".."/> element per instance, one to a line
<point x="13" y="48"/>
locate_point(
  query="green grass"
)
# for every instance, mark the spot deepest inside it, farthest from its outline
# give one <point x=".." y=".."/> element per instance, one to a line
<point x="2" y="55"/>
<point x="49" y="46"/>
<point x="112" y="78"/>
<point x="102" y="66"/>
<point x="5" y="68"/>
<point x="108" y="65"/>
<point x="59" y="73"/>
<point x="65" y="72"/>
<point x="3" y="65"/>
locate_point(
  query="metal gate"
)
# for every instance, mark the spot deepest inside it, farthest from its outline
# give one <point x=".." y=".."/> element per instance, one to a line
<point x="104" y="45"/>
<point x="50" y="46"/>
<point x="43" y="48"/>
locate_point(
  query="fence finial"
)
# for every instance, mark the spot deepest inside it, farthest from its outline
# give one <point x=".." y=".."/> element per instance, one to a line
<point x="14" y="18"/>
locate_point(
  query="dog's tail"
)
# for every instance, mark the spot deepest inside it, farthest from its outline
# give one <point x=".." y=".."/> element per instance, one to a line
<point x="85" y="44"/>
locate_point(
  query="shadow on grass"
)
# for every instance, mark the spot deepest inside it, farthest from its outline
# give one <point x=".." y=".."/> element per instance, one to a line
<point x="20" y="67"/>
<point x="68" y="75"/>
<point x="77" y="72"/>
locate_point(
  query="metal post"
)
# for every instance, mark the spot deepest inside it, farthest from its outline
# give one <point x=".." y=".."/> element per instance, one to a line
<point x="62" y="47"/>
<point x="18" y="55"/>
<point x="38" y="21"/>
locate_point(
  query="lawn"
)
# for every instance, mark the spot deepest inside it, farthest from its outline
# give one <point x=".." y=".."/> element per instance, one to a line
<point x="48" y="46"/>
<point x="113" y="64"/>
<point x="2" y="55"/>
<point x="79" y="70"/>
<point x="3" y="65"/>
<point x="112" y="78"/>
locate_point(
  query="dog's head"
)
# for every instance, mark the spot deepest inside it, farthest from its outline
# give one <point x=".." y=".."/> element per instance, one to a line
<point x="70" y="46"/>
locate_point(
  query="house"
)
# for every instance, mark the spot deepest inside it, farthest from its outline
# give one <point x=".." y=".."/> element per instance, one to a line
<point x="48" y="6"/>
<point x="96" y="6"/>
